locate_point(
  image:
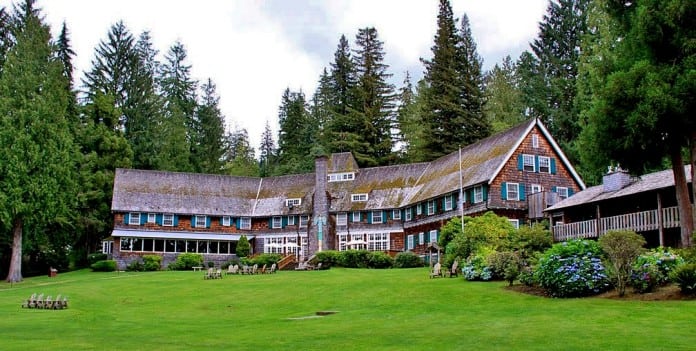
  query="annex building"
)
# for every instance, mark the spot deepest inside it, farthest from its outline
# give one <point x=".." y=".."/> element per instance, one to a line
<point x="340" y="206"/>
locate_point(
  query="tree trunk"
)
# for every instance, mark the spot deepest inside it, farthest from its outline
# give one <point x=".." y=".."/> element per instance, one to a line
<point x="693" y="176"/>
<point x="15" y="273"/>
<point x="682" y="191"/>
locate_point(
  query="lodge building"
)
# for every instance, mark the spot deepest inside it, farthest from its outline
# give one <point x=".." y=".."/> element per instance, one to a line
<point x="516" y="173"/>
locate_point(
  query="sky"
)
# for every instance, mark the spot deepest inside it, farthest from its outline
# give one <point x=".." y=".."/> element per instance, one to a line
<point x="253" y="50"/>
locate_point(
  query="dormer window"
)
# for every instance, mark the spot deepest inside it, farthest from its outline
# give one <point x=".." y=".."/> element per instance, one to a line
<point x="340" y="177"/>
<point x="358" y="197"/>
<point x="293" y="202"/>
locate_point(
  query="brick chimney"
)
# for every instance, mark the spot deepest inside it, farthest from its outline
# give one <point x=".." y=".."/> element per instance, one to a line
<point x="319" y="237"/>
<point x="615" y="179"/>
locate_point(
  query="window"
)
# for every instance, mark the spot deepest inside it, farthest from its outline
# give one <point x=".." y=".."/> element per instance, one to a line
<point x="544" y="164"/>
<point x="358" y="197"/>
<point x="293" y="202"/>
<point x="409" y="243"/>
<point x="134" y="218"/>
<point x="515" y="223"/>
<point x="340" y="177"/>
<point x="449" y="201"/>
<point x="168" y="220"/>
<point x="536" y="188"/>
<point x="200" y="221"/>
<point x="378" y="242"/>
<point x="342" y="219"/>
<point x="433" y="236"/>
<point x="304" y="219"/>
<point x="226" y="221"/>
<point x="478" y="194"/>
<point x="291" y="220"/>
<point x="419" y="210"/>
<point x="421" y="238"/>
<point x="408" y="213"/>
<point x="396" y="215"/>
<point x="513" y="191"/>
<point x="356" y="216"/>
<point x="528" y="163"/>
<point x="245" y="223"/>
<point x="562" y="192"/>
<point x="151" y="218"/>
<point x="376" y="216"/>
<point x="277" y="222"/>
<point x="431" y="207"/>
<point x="535" y="141"/>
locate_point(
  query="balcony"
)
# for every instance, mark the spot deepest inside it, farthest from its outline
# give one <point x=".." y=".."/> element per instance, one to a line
<point x="637" y="221"/>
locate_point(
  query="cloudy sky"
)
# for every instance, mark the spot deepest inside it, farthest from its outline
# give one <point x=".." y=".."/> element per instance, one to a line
<point x="254" y="49"/>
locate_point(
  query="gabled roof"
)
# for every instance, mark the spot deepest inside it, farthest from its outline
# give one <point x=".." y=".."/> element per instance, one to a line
<point x="342" y="162"/>
<point x="644" y="183"/>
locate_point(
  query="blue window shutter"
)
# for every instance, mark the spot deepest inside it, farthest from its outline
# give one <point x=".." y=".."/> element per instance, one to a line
<point x="220" y="220"/>
<point x="207" y="221"/>
<point x="570" y="191"/>
<point x="237" y="222"/>
<point x="284" y="222"/>
<point x="427" y="237"/>
<point x="521" y="190"/>
<point x="193" y="221"/>
<point x="176" y="220"/>
<point x="536" y="163"/>
<point x="143" y="218"/>
<point x="270" y="222"/>
<point x="520" y="162"/>
<point x="369" y="218"/>
<point x="503" y="191"/>
<point x="158" y="218"/>
<point x="126" y="218"/>
<point x="553" y="165"/>
<point x="553" y="189"/>
<point x="484" y="191"/>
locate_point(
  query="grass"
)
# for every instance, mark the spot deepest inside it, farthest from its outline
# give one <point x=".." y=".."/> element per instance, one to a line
<point x="398" y="309"/>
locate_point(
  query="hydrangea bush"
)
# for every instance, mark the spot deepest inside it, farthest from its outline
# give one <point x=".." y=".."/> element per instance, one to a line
<point x="476" y="266"/>
<point x="572" y="269"/>
<point x="653" y="268"/>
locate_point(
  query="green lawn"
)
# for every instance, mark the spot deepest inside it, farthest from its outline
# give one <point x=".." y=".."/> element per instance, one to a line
<point x="398" y="309"/>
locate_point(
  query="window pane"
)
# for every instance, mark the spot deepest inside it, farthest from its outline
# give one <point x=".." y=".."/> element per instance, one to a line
<point x="159" y="245"/>
<point x="224" y="247"/>
<point x="147" y="245"/>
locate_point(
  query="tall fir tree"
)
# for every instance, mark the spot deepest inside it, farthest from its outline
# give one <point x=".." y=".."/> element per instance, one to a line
<point x="6" y="40"/>
<point x="342" y="82"/>
<point x="211" y="131"/>
<point x="476" y="127"/>
<point x="37" y="177"/>
<point x="239" y="156"/>
<point x="504" y="106"/>
<point x="321" y="108"/>
<point x="296" y="134"/>
<point x="409" y="117"/>
<point x="65" y="54"/>
<point x="267" y="152"/>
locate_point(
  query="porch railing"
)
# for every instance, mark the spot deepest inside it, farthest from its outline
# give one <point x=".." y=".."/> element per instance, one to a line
<point x="636" y="221"/>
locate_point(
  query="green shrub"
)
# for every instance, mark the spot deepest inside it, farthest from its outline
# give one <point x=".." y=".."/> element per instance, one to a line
<point x="327" y="258"/>
<point x="407" y="259"/>
<point x="379" y="259"/>
<point x="97" y="256"/>
<point x="688" y="254"/>
<point x="266" y="259"/>
<point x="104" y="266"/>
<point x="571" y="269"/>
<point x="476" y="266"/>
<point x="243" y="247"/>
<point x="504" y="265"/>
<point x="186" y="261"/>
<point x="530" y="240"/>
<point x="152" y="262"/>
<point x="135" y="266"/>
<point x="685" y="277"/>
<point x="354" y="258"/>
<point x="653" y="268"/>
<point x="621" y="247"/>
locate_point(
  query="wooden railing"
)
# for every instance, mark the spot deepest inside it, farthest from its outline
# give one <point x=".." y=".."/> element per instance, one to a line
<point x="287" y="261"/>
<point x="636" y="221"/>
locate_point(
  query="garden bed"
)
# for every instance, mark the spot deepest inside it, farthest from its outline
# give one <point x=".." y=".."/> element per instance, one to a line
<point x="665" y="293"/>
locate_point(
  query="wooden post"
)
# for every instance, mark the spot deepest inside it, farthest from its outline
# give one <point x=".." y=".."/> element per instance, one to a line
<point x="599" y="222"/>
<point x="660" y="225"/>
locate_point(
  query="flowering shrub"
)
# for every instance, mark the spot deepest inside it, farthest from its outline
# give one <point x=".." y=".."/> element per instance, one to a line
<point x="572" y="268"/>
<point x="476" y="266"/>
<point x="685" y="277"/>
<point x="653" y="269"/>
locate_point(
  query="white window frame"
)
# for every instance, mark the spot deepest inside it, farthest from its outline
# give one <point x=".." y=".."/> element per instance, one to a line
<point x="516" y="192"/>
<point x="408" y="214"/>
<point x="536" y="188"/>
<point x="419" y="209"/>
<point x="528" y="162"/>
<point x="378" y="242"/>
<point x="449" y="202"/>
<point x="356" y="216"/>
<point x="515" y="223"/>
<point x="421" y="238"/>
<point x="478" y="194"/>
<point x="226" y="221"/>
<point x="342" y="219"/>
<point x="535" y="141"/>
<point x="377" y="217"/>
<point x="294" y="202"/>
<point x="304" y="220"/>
<point x="433" y="236"/>
<point x="562" y="192"/>
<point x="431" y="207"/>
<point x="167" y="220"/>
<point x="276" y="222"/>
<point x="151" y="218"/>
<point x="291" y="220"/>
<point x="358" y="197"/>
<point x="245" y="223"/>
<point x="340" y="177"/>
<point x="409" y="242"/>
<point x="198" y="221"/>
<point x="134" y="218"/>
<point x="544" y="162"/>
<point x="396" y="215"/>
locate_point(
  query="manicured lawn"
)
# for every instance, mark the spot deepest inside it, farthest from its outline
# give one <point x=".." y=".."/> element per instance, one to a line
<point x="377" y="310"/>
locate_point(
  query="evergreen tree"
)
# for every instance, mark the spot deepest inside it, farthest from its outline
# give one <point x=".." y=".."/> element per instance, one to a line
<point x="239" y="158"/>
<point x="342" y="83"/>
<point x="37" y="182"/>
<point x="504" y="107"/>
<point x="373" y="114"/>
<point x="531" y="85"/>
<point x="321" y="108"/>
<point x="5" y="36"/>
<point x="296" y="134"/>
<point x="267" y="151"/>
<point x="476" y="127"/>
<point x="211" y="132"/>
<point x="409" y="117"/>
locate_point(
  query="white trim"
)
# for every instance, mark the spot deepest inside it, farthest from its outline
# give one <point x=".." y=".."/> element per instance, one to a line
<point x="381" y="215"/>
<point x="535" y="140"/>
<point x="515" y="223"/>
<point x="507" y="192"/>
<point x="164" y="220"/>
<point x="474" y="194"/>
<point x="397" y="229"/>
<point x="205" y="221"/>
<point x="548" y="160"/>
<point x="342" y="218"/>
<point x="340" y="177"/>
<point x="226" y="221"/>
<point x="358" y="197"/>
<point x="528" y="157"/>
<point x="292" y="220"/>
<point x="153" y="216"/>
<point x="294" y="201"/>
<point x="131" y="217"/>
<point x="535" y="188"/>
<point x="396" y="214"/>
<point x="353" y="217"/>
<point x="242" y="226"/>
<point x="433" y="233"/>
<point x="158" y="234"/>
<point x="512" y="151"/>
<point x="273" y="222"/>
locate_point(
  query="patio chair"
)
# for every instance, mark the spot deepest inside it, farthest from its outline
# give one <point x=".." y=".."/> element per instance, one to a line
<point x="48" y="303"/>
<point x="255" y="269"/>
<point x="233" y="269"/>
<point x="39" y="301"/>
<point x="64" y="303"/>
<point x="273" y="269"/>
<point x="301" y="266"/>
<point x="318" y="267"/>
<point x="209" y="274"/>
<point x="263" y="269"/>
<point x="218" y="274"/>
<point x="454" y="270"/>
<point x="57" y="303"/>
<point x="30" y="301"/>
<point x="436" y="272"/>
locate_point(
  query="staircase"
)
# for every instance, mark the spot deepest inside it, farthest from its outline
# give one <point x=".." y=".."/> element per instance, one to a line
<point x="287" y="263"/>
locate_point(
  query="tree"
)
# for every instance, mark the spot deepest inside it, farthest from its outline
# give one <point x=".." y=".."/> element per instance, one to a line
<point x="211" y="131"/>
<point x="37" y="172"/>
<point x="410" y="122"/>
<point x="622" y="249"/>
<point x="239" y="157"/>
<point x="6" y="40"/>
<point x="643" y="97"/>
<point x="341" y="89"/>
<point x="322" y="106"/>
<point x="243" y="247"/>
<point x="296" y="134"/>
<point x="267" y="152"/>
<point x="504" y="107"/>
